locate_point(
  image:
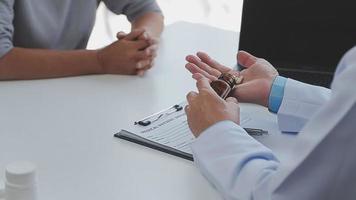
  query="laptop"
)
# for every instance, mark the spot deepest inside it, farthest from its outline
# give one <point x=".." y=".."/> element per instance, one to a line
<point x="303" y="39"/>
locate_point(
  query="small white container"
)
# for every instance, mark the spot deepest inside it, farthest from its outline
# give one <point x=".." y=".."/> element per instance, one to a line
<point x="21" y="182"/>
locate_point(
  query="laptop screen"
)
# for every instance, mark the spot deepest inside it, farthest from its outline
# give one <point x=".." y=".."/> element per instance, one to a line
<point x="303" y="39"/>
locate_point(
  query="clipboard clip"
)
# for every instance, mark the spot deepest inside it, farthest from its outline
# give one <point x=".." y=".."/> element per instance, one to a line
<point x="155" y="117"/>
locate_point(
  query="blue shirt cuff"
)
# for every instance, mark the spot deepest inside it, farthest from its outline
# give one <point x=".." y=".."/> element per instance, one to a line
<point x="276" y="94"/>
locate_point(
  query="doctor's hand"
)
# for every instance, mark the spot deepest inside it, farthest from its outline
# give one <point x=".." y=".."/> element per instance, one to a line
<point x="206" y="108"/>
<point x="258" y="75"/>
<point x="150" y="50"/>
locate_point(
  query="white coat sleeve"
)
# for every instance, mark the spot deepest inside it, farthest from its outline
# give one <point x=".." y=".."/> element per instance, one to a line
<point x="301" y="101"/>
<point x="232" y="160"/>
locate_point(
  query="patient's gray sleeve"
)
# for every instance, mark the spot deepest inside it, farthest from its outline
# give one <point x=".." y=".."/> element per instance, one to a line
<point x="6" y="26"/>
<point x="132" y="8"/>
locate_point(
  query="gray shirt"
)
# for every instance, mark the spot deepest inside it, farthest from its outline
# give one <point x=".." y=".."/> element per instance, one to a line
<point x="58" y="24"/>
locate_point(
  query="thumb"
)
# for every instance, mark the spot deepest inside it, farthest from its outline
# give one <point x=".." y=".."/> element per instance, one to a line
<point x="232" y="100"/>
<point x="246" y="59"/>
<point x="135" y="34"/>
<point x="121" y="35"/>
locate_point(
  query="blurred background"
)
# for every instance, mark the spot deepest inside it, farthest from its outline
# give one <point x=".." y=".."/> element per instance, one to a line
<point x="224" y="14"/>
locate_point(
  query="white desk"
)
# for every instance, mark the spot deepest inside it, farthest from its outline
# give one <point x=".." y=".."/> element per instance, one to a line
<point x="66" y="126"/>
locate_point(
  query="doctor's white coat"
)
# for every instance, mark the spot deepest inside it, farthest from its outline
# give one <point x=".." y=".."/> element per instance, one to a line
<point x="322" y="162"/>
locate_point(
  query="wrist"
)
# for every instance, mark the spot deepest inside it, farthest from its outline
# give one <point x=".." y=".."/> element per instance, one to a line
<point x="99" y="60"/>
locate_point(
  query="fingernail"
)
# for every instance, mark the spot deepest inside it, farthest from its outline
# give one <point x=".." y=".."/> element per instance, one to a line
<point x="141" y="73"/>
<point x="139" y="65"/>
<point x="200" y="53"/>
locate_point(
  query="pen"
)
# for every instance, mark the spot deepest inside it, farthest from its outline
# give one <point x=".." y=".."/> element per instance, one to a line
<point x="255" y="131"/>
<point x="176" y="108"/>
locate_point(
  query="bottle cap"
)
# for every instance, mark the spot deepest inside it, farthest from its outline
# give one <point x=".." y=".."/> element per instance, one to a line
<point x="231" y="79"/>
<point x="21" y="174"/>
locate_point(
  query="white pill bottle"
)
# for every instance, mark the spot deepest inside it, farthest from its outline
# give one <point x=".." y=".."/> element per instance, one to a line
<point x="20" y="182"/>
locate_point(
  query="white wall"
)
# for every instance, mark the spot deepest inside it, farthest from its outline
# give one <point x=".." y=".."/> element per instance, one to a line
<point x="224" y="14"/>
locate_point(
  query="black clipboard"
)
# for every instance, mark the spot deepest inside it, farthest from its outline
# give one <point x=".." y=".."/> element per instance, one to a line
<point x="176" y="109"/>
<point x="123" y="134"/>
